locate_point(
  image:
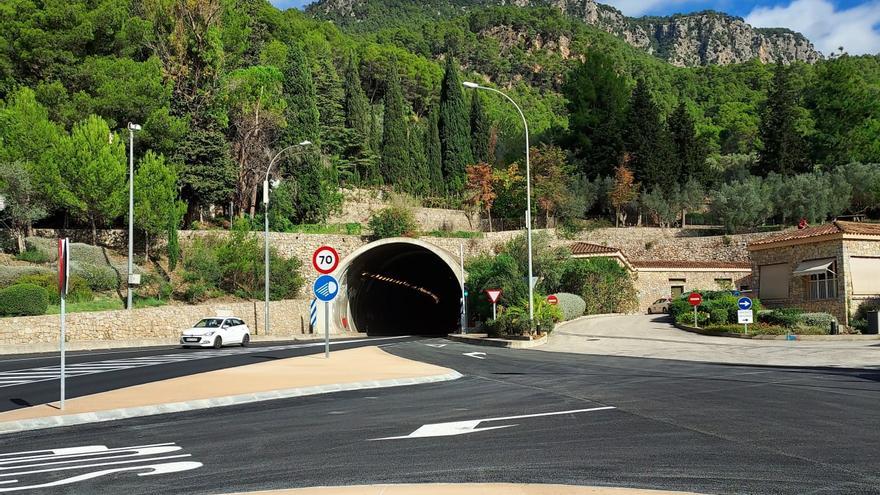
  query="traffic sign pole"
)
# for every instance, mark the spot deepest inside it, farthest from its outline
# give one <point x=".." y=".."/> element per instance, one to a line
<point x="327" y="330"/>
<point x="494" y="317"/>
<point x="326" y="288"/>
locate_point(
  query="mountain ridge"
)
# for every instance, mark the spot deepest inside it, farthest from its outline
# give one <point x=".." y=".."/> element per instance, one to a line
<point x="684" y="40"/>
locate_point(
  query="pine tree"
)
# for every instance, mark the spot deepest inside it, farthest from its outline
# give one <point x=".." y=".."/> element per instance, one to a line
<point x="784" y="149"/>
<point x="395" y="167"/>
<point x="690" y="151"/>
<point x="329" y="97"/>
<point x="480" y="129"/>
<point x="434" y="154"/>
<point x="647" y="140"/>
<point x="357" y="107"/>
<point x="454" y="129"/>
<point x="597" y="98"/>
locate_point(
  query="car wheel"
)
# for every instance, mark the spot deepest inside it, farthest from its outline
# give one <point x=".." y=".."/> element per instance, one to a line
<point x="218" y="343"/>
<point x="650" y="312"/>
<point x="665" y="310"/>
<point x="245" y="340"/>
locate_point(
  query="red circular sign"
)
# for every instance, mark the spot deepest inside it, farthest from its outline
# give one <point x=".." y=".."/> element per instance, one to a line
<point x="325" y="259"/>
<point x="695" y="299"/>
<point x="553" y="300"/>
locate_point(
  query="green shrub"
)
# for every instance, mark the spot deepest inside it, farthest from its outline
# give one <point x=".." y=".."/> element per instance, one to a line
<point x="10" y="274"/>
<point x="196" y="293"/>
<point x="33" y="256"/>
<point x="787" y="317"/>
<point x="394" y="221"/>
<point x="508" y="324"/>
<point x="285" y="279"/>
<point x="494" y="272"/>
<point x="23" y="300"/>
<point x="687" y="318"/>
<point x="718" y="316"/>
<point x="572" y="305"/>
<point x="78" y="289"/>
<point x="100" y="278"/>
<point x="821" y="320"/>
<point x="605" y="286"/>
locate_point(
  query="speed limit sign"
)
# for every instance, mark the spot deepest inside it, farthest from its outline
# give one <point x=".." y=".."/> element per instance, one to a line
<point x="325" y="259"/>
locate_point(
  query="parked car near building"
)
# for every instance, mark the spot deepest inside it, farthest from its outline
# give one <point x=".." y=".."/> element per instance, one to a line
<point x="216" y="332"/>
<point x="660" y="306"/>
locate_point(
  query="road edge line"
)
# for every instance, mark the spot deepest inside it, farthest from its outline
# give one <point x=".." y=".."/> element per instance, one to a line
<point x="24" y="425"/>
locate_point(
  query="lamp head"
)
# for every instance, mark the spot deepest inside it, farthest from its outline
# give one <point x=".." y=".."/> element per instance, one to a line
<point x="133" y="127"/>
<point x="471" y="85"/>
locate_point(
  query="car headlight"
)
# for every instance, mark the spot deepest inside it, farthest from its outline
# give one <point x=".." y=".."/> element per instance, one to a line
<point x="212" y="332"/>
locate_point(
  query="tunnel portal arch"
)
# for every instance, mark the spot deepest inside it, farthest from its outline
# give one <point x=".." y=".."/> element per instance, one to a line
<point x="399" y="286"/>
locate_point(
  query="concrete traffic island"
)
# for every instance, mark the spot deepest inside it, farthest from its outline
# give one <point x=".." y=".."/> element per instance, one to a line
<point x="484" y="339"/>
<point x="351" y="369"/>
<point x="465" y="489"/>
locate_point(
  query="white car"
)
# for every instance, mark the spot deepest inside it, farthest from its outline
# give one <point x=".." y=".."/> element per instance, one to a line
<point x="660" y="306"/>
<point x="216" y="332"/>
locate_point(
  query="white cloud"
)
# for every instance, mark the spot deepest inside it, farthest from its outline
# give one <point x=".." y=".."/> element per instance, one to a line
<point x="828" y="28"/>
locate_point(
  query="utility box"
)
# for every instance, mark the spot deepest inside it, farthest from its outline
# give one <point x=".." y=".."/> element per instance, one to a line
<point x="873" y="323"/>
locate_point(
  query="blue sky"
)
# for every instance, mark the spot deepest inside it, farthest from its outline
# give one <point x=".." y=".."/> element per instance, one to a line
<point x="853" y="24"/>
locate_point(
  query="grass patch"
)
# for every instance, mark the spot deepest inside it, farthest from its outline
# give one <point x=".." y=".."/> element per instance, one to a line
<point x="104" y="304"/>
<point x="764" y="329"/>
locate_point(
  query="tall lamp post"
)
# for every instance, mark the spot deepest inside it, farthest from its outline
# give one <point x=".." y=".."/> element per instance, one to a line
<point x="131" y="129"/>
<point x="473" y="85"/>
<point x="266" y="218"/>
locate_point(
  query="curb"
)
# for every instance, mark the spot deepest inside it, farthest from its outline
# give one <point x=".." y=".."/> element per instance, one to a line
<point x="231" y="400"/>
<point x="814" y="338"/>
<point x="493" y="342"/>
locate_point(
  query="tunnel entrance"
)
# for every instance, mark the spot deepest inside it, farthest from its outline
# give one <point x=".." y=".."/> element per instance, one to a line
<point x="401" y="288"/>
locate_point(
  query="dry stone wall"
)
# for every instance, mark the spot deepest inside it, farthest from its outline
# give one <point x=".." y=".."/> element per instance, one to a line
<point x="157" y="325"/>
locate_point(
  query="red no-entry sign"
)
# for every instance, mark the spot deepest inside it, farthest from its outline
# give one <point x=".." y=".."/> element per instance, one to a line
<point x="553" y="300"/>
<point x="695" y="299"/>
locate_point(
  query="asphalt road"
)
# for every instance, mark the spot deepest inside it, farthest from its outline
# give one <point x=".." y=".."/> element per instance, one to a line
<point x="674" y="425"/>
<point x="32" y="379"/>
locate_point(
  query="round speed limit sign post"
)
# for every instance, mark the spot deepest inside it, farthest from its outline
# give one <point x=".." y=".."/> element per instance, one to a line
<point x="325" y="260"/>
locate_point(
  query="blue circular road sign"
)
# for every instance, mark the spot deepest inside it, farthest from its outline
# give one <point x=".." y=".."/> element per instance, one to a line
<point x="745" y="303"/>
<point x="326" y="288"/>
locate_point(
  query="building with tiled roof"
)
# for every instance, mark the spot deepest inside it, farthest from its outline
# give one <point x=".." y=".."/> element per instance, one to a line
<point x="831" y="268"/>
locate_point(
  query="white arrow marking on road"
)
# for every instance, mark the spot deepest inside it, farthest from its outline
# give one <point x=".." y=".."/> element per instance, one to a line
<point x="478" y="355"/>
<point x="438" y="346"/>
<point x="465" y="427"/>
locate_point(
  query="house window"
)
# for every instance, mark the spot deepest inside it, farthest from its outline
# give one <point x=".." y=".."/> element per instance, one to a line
<point x="724" y="283"/>
<point x="676" y="286"/>
<point x="822" y="286"/>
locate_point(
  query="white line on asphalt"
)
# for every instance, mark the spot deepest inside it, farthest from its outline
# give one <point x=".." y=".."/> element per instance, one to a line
<point x="478" y="355"/>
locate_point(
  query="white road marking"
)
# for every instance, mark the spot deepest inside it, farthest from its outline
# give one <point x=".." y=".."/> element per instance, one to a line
<point x="470" y="426"/>
<point x="438" y="346"/>
<point x="143" y="460"/>
<point x="46" y="373"/>
<point x="478" y="355"/>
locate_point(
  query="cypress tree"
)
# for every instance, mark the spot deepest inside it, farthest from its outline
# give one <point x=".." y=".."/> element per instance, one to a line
<point x="454" y="129"/>
<point x="784" y="146"/>
<point x="357" y="108"/>
<point x="647" y="140"/>
<point x="395" y="167"/>
<point x="434" y="153"/>
<point x="421" y="175"/>
<point x="302" y="124"/>
<point x="330" y="97"/>
<point x="690" y="151"/>
<point x="480" y="129"/>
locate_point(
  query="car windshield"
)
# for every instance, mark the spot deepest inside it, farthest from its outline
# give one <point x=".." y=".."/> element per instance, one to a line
<point x="658" y="301"/>
<point x="209" y="323"/>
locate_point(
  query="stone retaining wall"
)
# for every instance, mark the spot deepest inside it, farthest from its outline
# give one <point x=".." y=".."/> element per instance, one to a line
<point x="289" y="318"/>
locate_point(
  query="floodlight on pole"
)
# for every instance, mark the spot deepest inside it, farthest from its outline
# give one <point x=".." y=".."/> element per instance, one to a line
<point x="473" y="85"/>
<point x="131" y="129"/>
<point x="301" y="144"/>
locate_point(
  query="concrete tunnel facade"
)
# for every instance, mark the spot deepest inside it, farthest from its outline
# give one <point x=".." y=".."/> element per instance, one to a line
<point x="398" y="286"/>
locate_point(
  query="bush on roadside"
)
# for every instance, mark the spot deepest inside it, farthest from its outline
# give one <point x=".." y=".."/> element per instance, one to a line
<point x="32" y="255"/>
<point x="821" y="320"/>
<point x="23" y="300"/>
<point x="572" y="305"/>
<point x="394" y="221"/>
<point x="508" y="324"/>
<point x="784" y="317"/>
<point x="99" y="278"/>
<point x="605" y="286"/>
<point x="78" y="289"/>
<point x="10" y="274"/>
<point x="718" y="316"/>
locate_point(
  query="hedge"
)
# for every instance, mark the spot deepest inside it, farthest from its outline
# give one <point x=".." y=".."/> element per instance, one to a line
<point x="23" y="300"/>
<point x="572" y="305"/>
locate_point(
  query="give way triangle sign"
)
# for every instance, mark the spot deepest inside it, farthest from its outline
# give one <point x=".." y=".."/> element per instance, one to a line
<point x="493" y="294"/>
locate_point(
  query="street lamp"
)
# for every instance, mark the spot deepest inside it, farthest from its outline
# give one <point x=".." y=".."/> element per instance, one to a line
<point x="266" y="218"/>
<point x="131" y="129"/>
<point x="473" y="85"/>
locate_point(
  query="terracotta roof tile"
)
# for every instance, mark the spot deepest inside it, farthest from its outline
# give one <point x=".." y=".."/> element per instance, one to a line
<point x="837" y="227"/>
<point x="588" y="248"/>
<point x="672" y="265"/>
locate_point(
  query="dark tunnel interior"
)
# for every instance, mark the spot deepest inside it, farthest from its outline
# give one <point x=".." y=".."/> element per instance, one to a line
<point x="403" y="289"/>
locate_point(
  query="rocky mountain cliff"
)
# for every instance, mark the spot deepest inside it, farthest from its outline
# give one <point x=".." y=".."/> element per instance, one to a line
<point x="702" y="38"/>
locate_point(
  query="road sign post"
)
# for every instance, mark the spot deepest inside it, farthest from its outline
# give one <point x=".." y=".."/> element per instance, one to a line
<point x="745" y="314"/>
<point x="695" y="299"/>
<point x="494" y="295"/>
<point x="63" y="283"/>
<point x="326" y="289"/>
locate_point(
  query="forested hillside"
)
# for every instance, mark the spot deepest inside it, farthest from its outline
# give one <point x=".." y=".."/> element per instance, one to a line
<point x="221" y="86"/>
